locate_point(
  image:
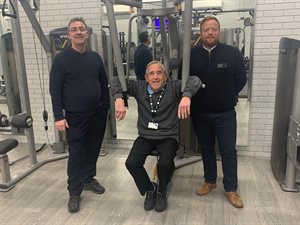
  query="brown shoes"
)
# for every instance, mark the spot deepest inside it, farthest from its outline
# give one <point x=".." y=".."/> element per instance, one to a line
<point x="205" y="188"/>
<point x="234" y="199"/>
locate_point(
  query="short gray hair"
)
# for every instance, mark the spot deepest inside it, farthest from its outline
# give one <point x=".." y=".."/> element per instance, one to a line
<point x="75" y="19"/>
<point x="156" y="62"/>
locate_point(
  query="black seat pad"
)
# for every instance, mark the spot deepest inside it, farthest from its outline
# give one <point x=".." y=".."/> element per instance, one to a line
<point x="7" y="145"/>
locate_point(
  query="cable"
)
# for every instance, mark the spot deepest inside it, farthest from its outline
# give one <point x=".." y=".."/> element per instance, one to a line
<point x="42" y="85"/>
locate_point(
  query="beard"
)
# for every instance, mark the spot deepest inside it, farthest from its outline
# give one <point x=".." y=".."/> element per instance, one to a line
<point x="210" y="42"/>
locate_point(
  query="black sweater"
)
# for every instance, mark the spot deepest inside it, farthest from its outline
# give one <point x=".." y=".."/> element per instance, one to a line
<point x="78" y="82"/>
<point x="223" y="74"/>
<point x="142" y="57"/>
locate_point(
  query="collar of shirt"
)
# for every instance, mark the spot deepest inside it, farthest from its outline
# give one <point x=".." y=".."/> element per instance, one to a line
<point x="150" y="91"/>
<point x="209" y="49"/>
<point x="144" y="44"/>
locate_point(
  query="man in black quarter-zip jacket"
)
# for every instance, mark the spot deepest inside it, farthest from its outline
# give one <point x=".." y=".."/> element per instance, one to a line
<point x="221" y="69"/>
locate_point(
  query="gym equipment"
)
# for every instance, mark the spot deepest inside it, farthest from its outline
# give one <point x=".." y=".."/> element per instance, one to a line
<point x="110" y="73"/>
<point x="160" y="10"/>
<point x="285" y="152"/>
<point x="7" y="183"/>
<point x="21" y="120"/>
<point x="10" y="78"/>
<point x="5" y="147"/>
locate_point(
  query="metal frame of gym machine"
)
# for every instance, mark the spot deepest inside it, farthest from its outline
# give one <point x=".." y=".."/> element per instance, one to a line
<point x="285" y="154"/>
<point x="21" y="71"/>
<point x="161" y="13"/>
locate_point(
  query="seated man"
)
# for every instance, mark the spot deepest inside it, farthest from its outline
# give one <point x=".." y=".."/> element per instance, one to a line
<point x="157" y="99"/>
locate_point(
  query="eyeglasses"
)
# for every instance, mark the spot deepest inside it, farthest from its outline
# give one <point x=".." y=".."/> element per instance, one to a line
<point x="80" y="29"/>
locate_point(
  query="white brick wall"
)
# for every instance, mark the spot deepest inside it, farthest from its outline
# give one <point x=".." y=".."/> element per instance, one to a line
<point x="274" y="19"/>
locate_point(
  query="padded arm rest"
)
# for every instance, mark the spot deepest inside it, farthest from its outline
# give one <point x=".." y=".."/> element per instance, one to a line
<point x="7" y="145"/>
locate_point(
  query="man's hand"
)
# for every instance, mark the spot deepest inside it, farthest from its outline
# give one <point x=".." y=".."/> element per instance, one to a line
<point x="120" y="109"/>
<point x="184" y="108"/>
<point x="61" y="125"/>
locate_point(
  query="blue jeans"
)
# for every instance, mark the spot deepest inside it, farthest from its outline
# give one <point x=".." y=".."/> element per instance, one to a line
<point x="221" y="125"/>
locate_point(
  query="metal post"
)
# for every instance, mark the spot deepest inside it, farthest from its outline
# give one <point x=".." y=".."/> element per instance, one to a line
<point x="290" y="173"/>
<point x="128" y="46"/>
<point x="21" y="70"/>
<point x="251" y="53"/>
<point x="110" y="71"/>
<point x="10" y="76"/>
<point x="173" y="46"/>
<point x="163" y="34"/>
<point x="139" y="24"/>
<point x="186" y="41"/>
<point x="5" y="168"/>
<point x="115" y="43"/>
<point x="187" y="138"/>
<point x="173" y="37"/>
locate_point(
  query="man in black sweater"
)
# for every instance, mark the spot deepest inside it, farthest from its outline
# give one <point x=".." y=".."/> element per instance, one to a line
<point x="221" y="69"/>
<point x="142" y="56"/>
<point x="80" y="100"/>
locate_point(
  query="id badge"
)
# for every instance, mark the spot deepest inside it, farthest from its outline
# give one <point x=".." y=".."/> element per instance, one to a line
<point x="152" y="125"/>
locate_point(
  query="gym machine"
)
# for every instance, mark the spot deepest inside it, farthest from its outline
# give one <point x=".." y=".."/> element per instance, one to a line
<point x="6" y="146"/>
<point x="285" y="151"/>
<point x="21" y="120"/>
<point x="11" y="94"/>
<point x="161" y="10"/>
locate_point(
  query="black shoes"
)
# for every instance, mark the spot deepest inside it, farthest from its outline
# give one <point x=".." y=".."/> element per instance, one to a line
<point x="149" y="202"/>
<point x="161" y="202"/>
<point x="94" y="186"/>
<point x="155" y="199"/>
<point x="74" y="201"/>
<point x="74" y="204"/>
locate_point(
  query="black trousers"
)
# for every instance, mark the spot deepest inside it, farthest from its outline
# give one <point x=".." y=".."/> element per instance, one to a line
<point x="84" y="136"/>
<point x="222" y="125"/>
<point x="136" y="159"/>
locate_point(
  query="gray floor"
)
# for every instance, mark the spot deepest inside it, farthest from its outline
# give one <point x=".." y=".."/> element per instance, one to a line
<point x="41" y="197"/>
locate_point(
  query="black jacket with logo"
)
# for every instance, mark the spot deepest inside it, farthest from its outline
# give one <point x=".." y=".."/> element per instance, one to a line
<point x="223" y="74"/>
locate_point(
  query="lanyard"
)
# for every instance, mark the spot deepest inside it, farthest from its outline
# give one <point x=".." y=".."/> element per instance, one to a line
<point x="152" y="107"/>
